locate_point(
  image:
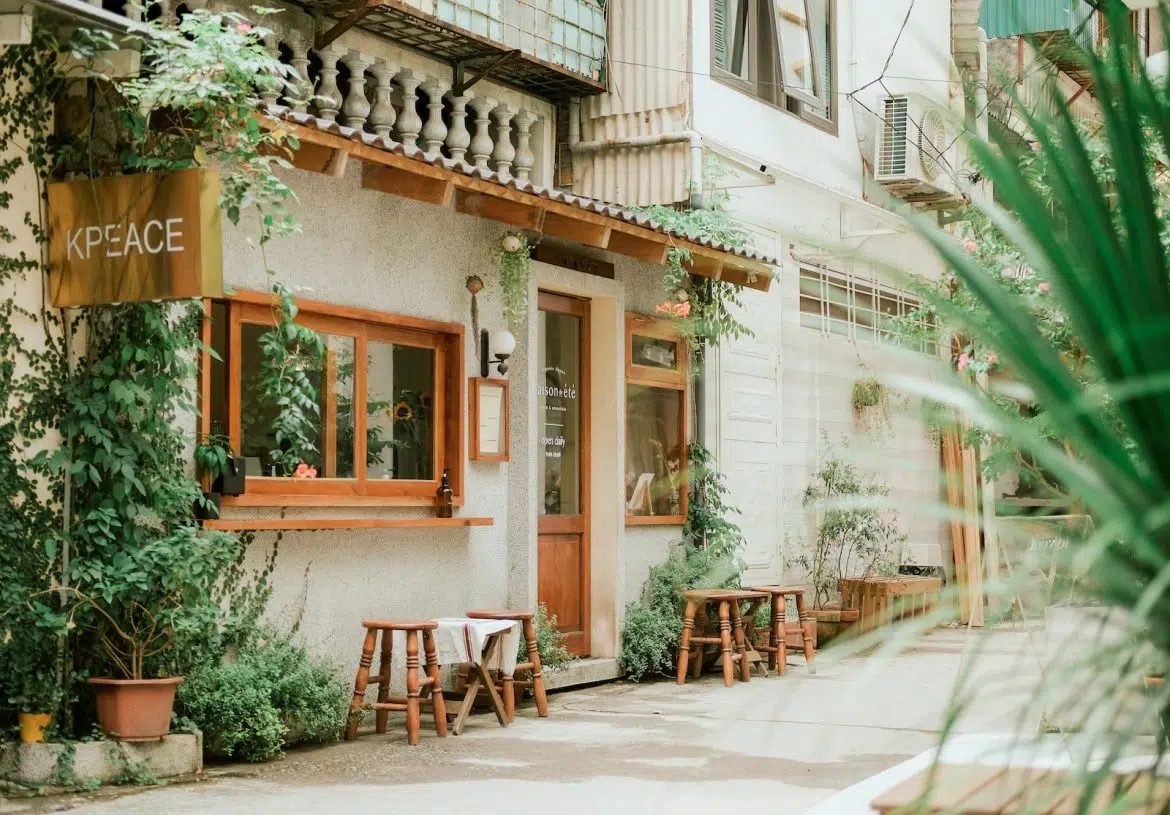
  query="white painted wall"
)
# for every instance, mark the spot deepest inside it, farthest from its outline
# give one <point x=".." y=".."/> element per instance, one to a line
<point x="779" y="391"/>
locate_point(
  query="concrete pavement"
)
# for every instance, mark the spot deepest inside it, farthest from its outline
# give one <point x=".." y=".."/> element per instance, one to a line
<point x="787" y="743"/>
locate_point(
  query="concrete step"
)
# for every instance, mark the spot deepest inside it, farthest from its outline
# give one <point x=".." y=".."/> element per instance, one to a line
<point x="586" y="671"/>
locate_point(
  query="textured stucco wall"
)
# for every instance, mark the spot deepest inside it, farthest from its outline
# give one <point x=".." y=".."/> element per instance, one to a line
<point x="378" y="251"/>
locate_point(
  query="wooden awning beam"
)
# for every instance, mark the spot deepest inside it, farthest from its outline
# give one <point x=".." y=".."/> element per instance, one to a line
<point x="399" y="175"/>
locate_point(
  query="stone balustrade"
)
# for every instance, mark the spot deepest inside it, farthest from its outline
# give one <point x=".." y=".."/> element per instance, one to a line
<point x="419" y="110"/>
<point x="342" y="84"/>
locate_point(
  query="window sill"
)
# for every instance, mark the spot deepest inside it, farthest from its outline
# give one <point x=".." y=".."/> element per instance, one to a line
<point x="828" y="126"/>
<point x="253" y="524"/>
<point x="655" y="520"/>
<point x="307" y="500"/>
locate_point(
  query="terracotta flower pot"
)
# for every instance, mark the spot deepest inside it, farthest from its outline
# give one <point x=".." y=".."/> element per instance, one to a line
<point x="33" y="727"/>
<point x="135" y="709"/>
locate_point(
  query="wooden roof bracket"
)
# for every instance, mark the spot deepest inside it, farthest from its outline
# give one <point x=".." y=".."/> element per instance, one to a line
<point x="357" y="11"/>
<point x="460" y="86"/>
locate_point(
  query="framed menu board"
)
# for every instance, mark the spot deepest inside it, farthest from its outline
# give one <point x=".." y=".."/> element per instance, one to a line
<point x="490" y="427"/>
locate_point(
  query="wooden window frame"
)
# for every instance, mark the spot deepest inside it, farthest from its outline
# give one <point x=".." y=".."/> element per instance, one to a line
<point x="761" y="68"/>
<point x="364" y="325"/>
<point x="677" y="380"/>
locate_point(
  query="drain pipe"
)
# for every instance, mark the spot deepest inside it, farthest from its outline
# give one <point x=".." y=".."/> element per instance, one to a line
<point x="588" y="148"/>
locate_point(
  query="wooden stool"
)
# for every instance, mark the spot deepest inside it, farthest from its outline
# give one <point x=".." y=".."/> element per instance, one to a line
<point x="777" y="647"/>
<point x="411" y="703"/>
<point x="532" y="666"/>
<point x="730" y="623"/>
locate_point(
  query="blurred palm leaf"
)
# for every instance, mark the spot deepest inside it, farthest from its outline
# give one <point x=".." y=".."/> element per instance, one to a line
<point x="1100" y="244"/>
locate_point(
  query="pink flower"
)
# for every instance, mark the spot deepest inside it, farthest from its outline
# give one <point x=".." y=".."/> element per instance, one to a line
<point x="1044" y="288"/>
<point x="664" y="308"/>
<point x="992" y="359"/>
<point x="244" y="28"/>
<point x="963" y="362"/>
<point x="305" y="471"/>
<point x="970" y="245"/>
<point x="683" y="310"/>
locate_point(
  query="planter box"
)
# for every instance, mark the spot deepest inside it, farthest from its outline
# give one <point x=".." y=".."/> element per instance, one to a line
<point x="880" y="600"/>
<point x="101" y="762"/>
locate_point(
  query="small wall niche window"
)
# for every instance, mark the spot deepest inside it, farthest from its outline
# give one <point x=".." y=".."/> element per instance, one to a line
<point x="781" y="51"/>
<point x="386" y="414"/>
<point x="858" y="309"/>
<point x="656" y="422"/>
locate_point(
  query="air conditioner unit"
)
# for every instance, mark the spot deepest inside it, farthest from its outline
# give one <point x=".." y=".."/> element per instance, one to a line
<point x="917" y="149"/>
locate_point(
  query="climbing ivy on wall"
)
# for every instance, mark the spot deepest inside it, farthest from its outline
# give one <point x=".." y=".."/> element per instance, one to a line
<point x="705" y="312"/>
<point x="94" y="459"/>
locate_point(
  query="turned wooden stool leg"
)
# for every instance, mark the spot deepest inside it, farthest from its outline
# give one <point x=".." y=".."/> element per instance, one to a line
<point x="537" y="671"/>
<point x="780" y="624"/>
<point x="684" y="647"/>
<point x="438" y="703"/>
<point x="745" y="669"/>
<point x="508" y="691"/>
<point x="359" y="683"/>
<point x="384" y="679"/>
<point x="699" y="652"/>
<point x="725" y="642"/>
<point x="805" y="622"/>
<point x="412" y="703"/>
<point x="776" y="636"/>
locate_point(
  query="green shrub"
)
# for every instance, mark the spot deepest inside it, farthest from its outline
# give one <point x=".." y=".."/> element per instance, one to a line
<point x="649" y="640"/>
<point x="274" y="695"/>
<point x="232" y="705"/>
<point x="550" y="642"/>
<point x="653" y="624"/>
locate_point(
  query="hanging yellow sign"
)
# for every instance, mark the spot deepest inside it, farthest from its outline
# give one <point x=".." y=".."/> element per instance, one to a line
<point x="135" y="238"/>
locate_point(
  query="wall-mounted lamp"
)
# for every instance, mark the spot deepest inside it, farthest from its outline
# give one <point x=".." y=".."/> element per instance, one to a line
<point x="503" y="344"/>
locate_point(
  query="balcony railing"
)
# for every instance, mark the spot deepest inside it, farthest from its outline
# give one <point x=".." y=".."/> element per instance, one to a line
<point x="551" y="48"/>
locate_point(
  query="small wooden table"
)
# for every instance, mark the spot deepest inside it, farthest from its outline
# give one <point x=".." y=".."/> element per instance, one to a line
<point x="455" y="631"/>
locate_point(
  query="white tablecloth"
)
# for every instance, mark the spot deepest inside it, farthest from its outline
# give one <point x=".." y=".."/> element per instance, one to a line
<point x="461" y="639"/>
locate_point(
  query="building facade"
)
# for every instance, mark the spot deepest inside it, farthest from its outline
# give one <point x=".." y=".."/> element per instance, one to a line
<point x="793" y="108"/>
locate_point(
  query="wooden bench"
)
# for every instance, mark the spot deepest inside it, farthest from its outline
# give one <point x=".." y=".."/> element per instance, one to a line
<point x="880" y="600"/>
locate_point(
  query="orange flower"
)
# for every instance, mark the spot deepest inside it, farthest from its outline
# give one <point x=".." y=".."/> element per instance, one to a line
<point x="305" y="471"/>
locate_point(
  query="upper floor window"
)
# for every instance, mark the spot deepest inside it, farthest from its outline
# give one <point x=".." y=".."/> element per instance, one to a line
<point x="860" y="309"/>
<point x="781" y="51"/>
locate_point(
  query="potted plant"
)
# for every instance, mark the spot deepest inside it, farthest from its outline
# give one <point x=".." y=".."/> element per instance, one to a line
<point x="139" y="613"/>
<point x="854" y="537"/>
<point x="33" y="664"/>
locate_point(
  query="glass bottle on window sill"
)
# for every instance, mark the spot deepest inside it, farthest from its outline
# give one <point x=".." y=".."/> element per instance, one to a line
<point x="445" y="499"/>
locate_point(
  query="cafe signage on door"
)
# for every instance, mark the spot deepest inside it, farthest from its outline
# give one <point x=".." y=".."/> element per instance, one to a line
<point x="135" y="238"/>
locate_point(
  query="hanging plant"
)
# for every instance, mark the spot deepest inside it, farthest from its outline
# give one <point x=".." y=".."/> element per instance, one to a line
<point x="513" y="255"/>
<point x="872" y="409"/>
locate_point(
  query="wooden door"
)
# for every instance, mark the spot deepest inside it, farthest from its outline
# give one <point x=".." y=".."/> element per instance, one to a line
<point x="562" y="542"/>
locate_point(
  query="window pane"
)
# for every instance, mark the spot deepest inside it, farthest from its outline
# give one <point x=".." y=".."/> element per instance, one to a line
<point x="810" y="284"/>
<point x="654" y="451"/>
<point x="560" y="407"/>
<point x="800" y="68"/>
<point x="838" y="296"/>
<point x="652" y="352"/>
<point x="810" y="305"/>
<point x="328" y="445"/>
<point x="400" y="422"/>
<point x="730" y="36"/>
